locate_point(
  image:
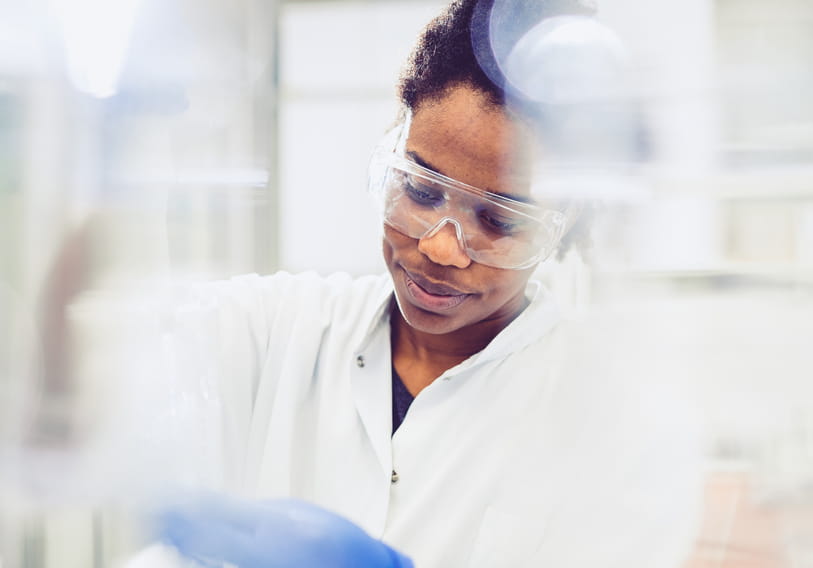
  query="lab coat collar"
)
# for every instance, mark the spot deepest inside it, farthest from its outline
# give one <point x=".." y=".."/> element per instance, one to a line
<point x="538" y="319"/>
<point x="373" y="358"/>
<point x="378" y="312"/>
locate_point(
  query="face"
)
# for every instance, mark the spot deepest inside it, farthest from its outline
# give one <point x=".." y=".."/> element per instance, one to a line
<point x="438" y="287"/>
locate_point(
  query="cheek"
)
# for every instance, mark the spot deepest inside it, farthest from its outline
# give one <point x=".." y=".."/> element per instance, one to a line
<point x="390" y="248"/>
<point x="506" y="284"/>
<point x="393" y="241"/>
<point x="387" y="253"/>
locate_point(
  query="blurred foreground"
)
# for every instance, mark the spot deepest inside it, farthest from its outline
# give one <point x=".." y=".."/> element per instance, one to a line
<point x="168" y="142"/>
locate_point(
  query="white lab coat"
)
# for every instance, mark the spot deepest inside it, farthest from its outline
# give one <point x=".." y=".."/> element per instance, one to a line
<point x="544" y="449"/>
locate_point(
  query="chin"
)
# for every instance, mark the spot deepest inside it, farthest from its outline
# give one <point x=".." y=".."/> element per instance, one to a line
<point x="426" y="321"/>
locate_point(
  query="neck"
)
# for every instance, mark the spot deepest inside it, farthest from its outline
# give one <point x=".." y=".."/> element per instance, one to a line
<point x="420" y="357"/>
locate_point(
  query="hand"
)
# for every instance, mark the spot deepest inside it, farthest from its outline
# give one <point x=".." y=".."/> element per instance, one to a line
<point x="272" y="534"/>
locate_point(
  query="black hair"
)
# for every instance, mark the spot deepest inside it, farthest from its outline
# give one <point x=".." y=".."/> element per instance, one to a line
<point x="454" y="50"/>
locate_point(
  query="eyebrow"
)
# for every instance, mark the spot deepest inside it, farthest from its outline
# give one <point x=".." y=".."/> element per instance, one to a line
<point x="424" y="164"/>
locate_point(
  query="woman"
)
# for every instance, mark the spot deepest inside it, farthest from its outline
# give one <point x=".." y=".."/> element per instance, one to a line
<point x="427" y="407"/>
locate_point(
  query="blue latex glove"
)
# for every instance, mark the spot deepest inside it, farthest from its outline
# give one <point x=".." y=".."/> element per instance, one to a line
<point x="272" y="534"/>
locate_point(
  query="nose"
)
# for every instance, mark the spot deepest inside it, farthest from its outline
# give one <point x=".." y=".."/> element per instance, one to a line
<point x="442" y="245"/>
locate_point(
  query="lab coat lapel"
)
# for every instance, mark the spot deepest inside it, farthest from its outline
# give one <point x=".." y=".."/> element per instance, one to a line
<point x="370" y="376"/>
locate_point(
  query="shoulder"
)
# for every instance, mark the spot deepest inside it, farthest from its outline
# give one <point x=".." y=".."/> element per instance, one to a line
<point x="624" y="398"/>
<point x="283" y="299"/>
<point x="285" y="287"/>
<point x="277" y="301"/>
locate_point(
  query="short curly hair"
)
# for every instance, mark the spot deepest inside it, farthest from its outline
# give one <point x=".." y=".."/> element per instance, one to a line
<point x="453" y="50"/>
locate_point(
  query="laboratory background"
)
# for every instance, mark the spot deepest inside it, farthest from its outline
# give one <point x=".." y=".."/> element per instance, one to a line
<point x="143" y="141"/>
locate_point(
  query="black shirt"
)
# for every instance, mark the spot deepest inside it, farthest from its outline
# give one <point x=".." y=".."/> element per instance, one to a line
<point x="401" y="399"/>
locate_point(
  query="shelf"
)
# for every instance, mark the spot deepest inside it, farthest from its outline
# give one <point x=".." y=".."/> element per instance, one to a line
<point x="758" y="183"/>
<point x="778" y="272"/>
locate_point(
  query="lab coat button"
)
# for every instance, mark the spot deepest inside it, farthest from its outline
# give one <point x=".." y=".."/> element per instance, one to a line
<point x="360" y="360"/>
<point x="394" y="477"/>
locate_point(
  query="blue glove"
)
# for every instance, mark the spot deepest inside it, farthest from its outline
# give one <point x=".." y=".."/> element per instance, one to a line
<point x="272" y="534"/>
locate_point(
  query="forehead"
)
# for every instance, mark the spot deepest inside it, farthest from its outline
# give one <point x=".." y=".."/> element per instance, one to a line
<point x="465" y="137"/>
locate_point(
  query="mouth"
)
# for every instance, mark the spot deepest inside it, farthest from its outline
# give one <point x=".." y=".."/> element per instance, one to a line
<point x="433" y="296"/>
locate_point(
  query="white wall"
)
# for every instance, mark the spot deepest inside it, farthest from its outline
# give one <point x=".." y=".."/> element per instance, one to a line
<point x="339" y="66"/>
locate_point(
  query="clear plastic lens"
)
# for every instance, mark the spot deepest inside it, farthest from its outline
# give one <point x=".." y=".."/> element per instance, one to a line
<point x="492" y="229"/>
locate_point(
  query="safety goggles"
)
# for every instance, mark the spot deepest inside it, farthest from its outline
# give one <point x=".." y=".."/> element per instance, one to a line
<point x="492" y="229"/>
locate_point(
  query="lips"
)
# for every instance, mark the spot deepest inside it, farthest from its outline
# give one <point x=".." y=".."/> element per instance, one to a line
<point x="433" y="296"/>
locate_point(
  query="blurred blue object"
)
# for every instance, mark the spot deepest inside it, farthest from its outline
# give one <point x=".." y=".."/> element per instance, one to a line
<point x="284" y="533"/>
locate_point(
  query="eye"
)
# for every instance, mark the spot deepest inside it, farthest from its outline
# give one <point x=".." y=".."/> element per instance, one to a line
<point x="422" y="194"/>
<point x="501" y="223"/>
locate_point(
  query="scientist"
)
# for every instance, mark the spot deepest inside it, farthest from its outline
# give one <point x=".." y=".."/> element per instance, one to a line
<point x="432" y="415"/>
